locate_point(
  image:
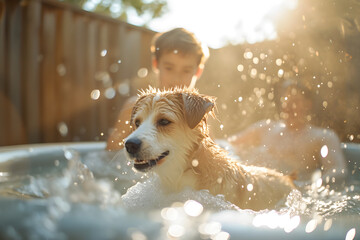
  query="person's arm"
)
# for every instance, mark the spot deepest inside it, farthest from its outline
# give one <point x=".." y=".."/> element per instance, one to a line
<point x="332" y="157"/>
<point x="122" y="127"/>
<point x="249" y="137"/>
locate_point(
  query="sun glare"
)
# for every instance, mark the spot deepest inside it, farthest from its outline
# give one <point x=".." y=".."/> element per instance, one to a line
<point x="218" y="23"/>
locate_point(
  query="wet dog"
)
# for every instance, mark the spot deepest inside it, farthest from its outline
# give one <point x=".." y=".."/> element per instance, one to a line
<point x="171" y="137"/>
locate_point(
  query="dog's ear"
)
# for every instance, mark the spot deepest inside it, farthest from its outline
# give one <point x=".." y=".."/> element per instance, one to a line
<point x="196" y="107"/>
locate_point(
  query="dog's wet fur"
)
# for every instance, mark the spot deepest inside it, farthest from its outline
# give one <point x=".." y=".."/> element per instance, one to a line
<point x="171" y="137"/>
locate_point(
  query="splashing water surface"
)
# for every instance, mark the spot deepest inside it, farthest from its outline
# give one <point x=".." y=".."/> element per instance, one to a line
<point x="97" y="195"/>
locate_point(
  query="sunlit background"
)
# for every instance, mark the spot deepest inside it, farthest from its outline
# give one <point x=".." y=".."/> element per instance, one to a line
<point x="215" y="22"/>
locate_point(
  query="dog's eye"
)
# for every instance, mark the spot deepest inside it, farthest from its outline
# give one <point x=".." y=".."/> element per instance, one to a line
<point x="137" y="123"/>
<point x="163" y="122"/>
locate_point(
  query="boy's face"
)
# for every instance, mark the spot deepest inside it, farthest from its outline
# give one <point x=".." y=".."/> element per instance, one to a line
<point x="176" y="69"/>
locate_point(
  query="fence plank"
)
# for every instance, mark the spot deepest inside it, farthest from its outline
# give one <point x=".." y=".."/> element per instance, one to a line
<point x="49" y="102"/>
<point x="14" y="84"/>
<point x="3" y="109"/>
<point x="48" y="73"/>
<point x="31" y="74"/>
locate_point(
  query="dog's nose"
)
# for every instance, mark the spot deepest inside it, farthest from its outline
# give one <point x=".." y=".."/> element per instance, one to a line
<point x="133" y="145"/>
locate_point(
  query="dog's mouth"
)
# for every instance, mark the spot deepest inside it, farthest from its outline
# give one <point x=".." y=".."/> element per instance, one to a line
<point x="144" y="165"/>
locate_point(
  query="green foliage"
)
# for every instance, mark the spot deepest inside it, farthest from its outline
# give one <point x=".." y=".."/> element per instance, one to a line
<point x="120" y="8"/>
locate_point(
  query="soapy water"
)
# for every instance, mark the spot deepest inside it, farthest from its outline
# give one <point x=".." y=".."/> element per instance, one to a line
<point x="100" y="196"/>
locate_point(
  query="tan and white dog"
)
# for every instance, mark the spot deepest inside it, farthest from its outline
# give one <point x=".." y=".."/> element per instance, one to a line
<point x="170" y="136"/>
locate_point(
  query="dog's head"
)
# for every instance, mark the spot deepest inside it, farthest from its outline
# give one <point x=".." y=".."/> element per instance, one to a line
<point x="167" y="125"/>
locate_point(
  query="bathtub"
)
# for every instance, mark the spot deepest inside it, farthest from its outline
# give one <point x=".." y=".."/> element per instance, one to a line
<point x="41" y="197"/>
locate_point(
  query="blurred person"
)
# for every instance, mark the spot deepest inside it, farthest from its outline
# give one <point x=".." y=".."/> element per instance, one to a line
<point x="292" y="145"/>
<point x="178" y="59"/>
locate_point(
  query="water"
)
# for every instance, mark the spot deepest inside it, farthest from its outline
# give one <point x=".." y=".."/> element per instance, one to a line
<point x="97" y="195"/>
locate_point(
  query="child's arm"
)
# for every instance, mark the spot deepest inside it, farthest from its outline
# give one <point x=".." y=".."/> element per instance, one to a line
<point x="332" y="157"/>
<point x="249" y="137"/>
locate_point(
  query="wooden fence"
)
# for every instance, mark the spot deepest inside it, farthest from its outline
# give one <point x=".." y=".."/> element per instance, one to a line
<point x="64" y="71"/>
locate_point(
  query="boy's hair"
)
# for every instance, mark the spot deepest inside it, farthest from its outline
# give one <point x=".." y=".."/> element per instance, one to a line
<point x="181" y="40"/>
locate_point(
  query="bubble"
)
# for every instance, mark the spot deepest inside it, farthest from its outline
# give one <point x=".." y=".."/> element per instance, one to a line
<point x="222" y="236"/>
<point x="61" y="69"/>
<point x="325" y="104"/>
<point x="95" y="94"/>
<point x="270" y="96"/>
<point x="170" y="214"/>
<point x="240" y="67"/>
<point x="292" y="224"/>
<point x="143" y="72"/>
<point x="351" y="137"/>
<point x="253" y="73"/>
<point x="211" y="228"/>
<point x="248" y="55"/>
<point x="63" y="129"/>
<point x="249" y="187"/>
<point x="278" y="62"/>
<point x="123" y="88"/>
<point x="176" y="230"/>
<point x="280" y="73"/>
<point x="110" y="93"/>
<point x="240" y="99"/>
<point x="114" y="68"/>
<point x="193" y="208"/>
<point x="221" y="127"/>
<point x="330" y="84"/>
<point x="255" y="60"/>
<point x="137" y="235"/>
<point x="310" y="226"/>
<point x="327" y="225"/>
<point x="350" y="235"/>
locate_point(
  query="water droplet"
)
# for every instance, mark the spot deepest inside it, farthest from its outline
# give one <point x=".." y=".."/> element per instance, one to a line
<point x="123" y="88"/>
<point x="325" y="104"/>
<point x="103" y="53"/>
<point x="61" y="69"/>
<point x="351" y="137"/>
<point x="63" y="129"/>
<point x="110" y="93"/>
<point x="253" y="73"/>
<point x="324" y="151"/>
<point x="195" y="163"/>
<point x="95" y="94"/>
<point x="114" y="68"/>
<point x="280" y="73"/>
<point x="143" y="72"/>
<point x="248" y="55"/>
<point x="240" y="67"/>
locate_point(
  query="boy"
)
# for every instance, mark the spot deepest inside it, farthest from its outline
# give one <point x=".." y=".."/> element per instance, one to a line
<point x="292" y="144"/>
<point x="178" y="59"/>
